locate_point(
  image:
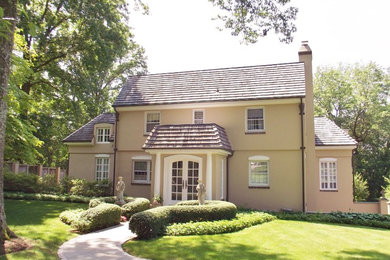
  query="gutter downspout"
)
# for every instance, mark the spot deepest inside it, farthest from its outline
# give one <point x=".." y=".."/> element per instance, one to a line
<point x="301" y="113"/>
<point x="227" y="176"/>
<point x="115" y="150"/>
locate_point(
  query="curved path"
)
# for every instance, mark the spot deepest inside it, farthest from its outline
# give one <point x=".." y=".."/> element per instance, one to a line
<point x="102" y="244"/>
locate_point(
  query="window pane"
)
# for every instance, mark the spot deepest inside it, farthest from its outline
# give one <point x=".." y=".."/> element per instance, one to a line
<point x="198" y="117"/>
<point x="152" y="119"/>
<point x="141" y="171"/>
<point x="259" y="172"/>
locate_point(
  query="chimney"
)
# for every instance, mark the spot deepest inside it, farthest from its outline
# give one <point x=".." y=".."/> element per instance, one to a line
<point x="311" y="179"/>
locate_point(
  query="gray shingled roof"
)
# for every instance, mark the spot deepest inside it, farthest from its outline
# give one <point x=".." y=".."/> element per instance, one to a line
<point x="230" y="84"/>
<point x="85" y="133"/>
<point x="327" y="133"/>
<point x="188" y="136"/>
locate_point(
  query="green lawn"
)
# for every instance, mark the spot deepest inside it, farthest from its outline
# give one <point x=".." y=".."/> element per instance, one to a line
<point x="279" y="239"/>
<point x="39" y="222"/>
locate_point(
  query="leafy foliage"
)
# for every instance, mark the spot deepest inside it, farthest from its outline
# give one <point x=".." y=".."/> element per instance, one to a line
<point x="83" y="187"/>
<point x="241" y="221"/>
<point x="70" y="58"/>
<point x="252" y="19"/>
<point x="387" y="188"/>
<point x="361" y="189"/>
<point x="356" y="98"/>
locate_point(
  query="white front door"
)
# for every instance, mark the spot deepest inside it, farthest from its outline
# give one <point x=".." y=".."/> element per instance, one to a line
<point x="183" y="173"/>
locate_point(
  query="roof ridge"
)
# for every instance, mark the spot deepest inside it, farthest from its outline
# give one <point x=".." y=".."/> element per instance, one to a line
<point x="216" y="69"/>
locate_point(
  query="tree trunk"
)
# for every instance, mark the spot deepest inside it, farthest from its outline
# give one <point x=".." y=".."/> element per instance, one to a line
<point x="6" y="45"/>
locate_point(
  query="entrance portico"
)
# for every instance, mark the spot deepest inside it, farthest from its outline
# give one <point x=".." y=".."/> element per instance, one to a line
<point x="183" y="154"/>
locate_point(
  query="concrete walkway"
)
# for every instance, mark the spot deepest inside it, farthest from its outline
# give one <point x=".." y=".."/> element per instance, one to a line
<point x="103" y="244"/>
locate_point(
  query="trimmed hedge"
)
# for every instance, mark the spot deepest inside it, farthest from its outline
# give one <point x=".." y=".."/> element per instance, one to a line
<point x="101" y="216"/>
<point x="70" y="216"/>
<point x="151" y="223"/>
<point x="29" y="183"/>
<point x="362" y="219"/>
<point x="135" y="206"/>
<point x="243" y="220"/>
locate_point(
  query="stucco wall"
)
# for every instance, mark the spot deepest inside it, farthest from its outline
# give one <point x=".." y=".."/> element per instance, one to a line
<point x="82" y="165"/>
<point x="326" y="201"/>
<point x="285" y="182"/>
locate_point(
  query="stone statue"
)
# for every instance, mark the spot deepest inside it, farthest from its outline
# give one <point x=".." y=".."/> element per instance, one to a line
<point x="120" y="187"/>
<point x="201" y="188"/>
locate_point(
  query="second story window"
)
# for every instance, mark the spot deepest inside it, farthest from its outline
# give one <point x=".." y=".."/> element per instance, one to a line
<point x="198" y="116"/>
<point x="255" y="120"/>
<point x="152" y="119"/>
<point x="103" y="135"/>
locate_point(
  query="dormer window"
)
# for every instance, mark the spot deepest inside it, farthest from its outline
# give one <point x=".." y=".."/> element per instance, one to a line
<point x="103" y="135"/>
<point x="198" y="116"/>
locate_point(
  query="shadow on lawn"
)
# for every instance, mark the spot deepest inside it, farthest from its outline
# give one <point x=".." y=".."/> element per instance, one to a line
<point x="31" y="212"/>
<point x="203" y="247"/>
<point x="362" y="254"/>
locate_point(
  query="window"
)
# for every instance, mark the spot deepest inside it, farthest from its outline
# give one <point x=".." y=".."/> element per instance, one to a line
<point x="255" y="120"/>
<point x="103" y="135"/>
<point x="152" y="119"/>
<point x="328" y="174"/>
<point x="141" y="171"/>
<point x="259" y="171"/>
<point x="198" y="117"/>
<point x="102" y="168"/>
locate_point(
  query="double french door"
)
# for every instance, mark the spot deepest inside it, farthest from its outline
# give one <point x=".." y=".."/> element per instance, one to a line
<point x="184" y="176"/>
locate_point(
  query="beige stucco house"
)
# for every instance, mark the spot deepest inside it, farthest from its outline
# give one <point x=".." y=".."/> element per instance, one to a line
<point x="249" y="133"/>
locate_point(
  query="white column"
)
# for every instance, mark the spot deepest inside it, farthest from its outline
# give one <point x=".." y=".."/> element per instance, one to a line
<point x="157" y="175"/>
<point x="209" y="177"/>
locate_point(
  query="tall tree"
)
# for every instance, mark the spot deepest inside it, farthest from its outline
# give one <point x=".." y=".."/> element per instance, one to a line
<point x="253" y="19"/>
<point x="74" y="55"/>
<point x="8" y="15"/>
<point x="356" y="97"/>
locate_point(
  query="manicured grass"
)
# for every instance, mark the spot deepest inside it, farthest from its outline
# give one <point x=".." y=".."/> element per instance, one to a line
<point x="39" y="222"/>
<point x="279" y="239"/>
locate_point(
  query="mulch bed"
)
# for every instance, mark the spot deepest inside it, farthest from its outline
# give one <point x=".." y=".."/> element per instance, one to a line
<point x="16" y="244"/>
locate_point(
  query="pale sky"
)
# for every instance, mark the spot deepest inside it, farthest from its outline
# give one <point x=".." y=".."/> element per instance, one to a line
<point x="179" y="35"/>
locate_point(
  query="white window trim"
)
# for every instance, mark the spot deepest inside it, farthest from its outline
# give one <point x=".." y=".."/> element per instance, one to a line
<point x="328" y="160"/>
<point x="108" y="166"/>
<point x="246" y="121"/>
<point x="258" y="158"/>
<point x="148" y="172"/>
<point x="146" y="119"/>
<point x="198" y="110"/>
<point x="97" y="135"/>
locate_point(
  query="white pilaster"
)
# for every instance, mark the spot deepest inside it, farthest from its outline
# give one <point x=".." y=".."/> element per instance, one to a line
<point x="209" y="177"/>
<point x="157" y="175"/>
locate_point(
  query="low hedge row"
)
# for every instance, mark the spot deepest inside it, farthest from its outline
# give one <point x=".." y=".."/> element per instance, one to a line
<point x="151" y="223"/>
<point x="242" y="220"/>
<point x="362" y="219"/>
<point x="65" y="198"/>
<point x="101" y="216"/>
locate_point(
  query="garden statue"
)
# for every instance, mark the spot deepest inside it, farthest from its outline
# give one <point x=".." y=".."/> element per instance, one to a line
<point x="201" y="188"/>
<point x="120" y="187"/>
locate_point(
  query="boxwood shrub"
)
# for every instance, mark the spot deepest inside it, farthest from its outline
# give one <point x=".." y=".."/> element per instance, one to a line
<point x="101" y="216"/>
<point x="135" y="206"/>
<point x="242" y="220"/>
<point x="70" y="216"/>
<point x="151" y="223"/>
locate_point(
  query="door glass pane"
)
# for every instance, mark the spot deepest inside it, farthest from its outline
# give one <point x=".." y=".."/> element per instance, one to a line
<point x="177" y="180"/>
<point x="192" y="180"/>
